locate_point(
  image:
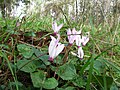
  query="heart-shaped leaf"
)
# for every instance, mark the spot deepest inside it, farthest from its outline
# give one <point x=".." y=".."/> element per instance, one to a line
<point x="66" y="71"/>
<point x="25" y="50"/>
<point x="38" y="78"/>
<point x="26" y="66"/>
<point x="50" y="83"/>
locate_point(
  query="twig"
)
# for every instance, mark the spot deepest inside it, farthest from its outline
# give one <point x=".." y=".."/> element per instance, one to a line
<point x="29" y="44"/>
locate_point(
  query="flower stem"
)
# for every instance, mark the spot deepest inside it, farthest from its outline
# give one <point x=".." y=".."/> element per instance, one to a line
<point x="66" y="53"/>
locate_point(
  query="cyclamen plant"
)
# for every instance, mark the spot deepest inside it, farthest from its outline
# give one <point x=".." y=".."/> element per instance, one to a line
<point x="55" y="47"/>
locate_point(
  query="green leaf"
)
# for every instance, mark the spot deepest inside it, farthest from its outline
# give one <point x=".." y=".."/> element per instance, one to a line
<point x="60" y="89"/>
<point x="79" y="81"/>
<point x="67" y="88"/>
<point x="41" y="56"/>
<point x="66" y="71"/>
<point x="59" y="59"/>
<point x="26" y="66"/>
<point x="32" y="34"/>
<point x="99" y="66"/>
<point x="38" y="78"/>
<point x="2" y="87"/>
<point x="13" y="83"/>
<point x="50" y="83"/>
<point x="113" y="87"/>
<point x="70" y="88"/>
<point x="25" y="50"/>
<point x="45" y="59"/>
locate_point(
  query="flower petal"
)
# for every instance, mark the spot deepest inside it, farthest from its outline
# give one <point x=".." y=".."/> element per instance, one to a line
<point x="59" y="27"/>
<point x="72" y="39"/>
<point x="78" y="40"/>
<point x="58" y="35"/>
<point x="78" y="32"/>
<point x="74" y="31"/>
<point x="71" y="36"/>
<point x="69" y="32"/>
<point x="54" y="26"/>
<point x="85" y="39"/>
<point x="80" y="53"/>
<point x="59" y="49"/>
<point x="51" y="48"/>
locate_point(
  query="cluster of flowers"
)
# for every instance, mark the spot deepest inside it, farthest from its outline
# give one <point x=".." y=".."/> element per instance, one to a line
<point x="55" y="47"/>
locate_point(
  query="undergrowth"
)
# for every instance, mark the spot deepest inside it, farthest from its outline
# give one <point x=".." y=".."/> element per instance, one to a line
<point x="24" y="61"/>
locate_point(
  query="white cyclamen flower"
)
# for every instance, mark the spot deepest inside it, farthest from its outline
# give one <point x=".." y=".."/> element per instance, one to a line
<point x="81" y="39"/>
<point x="56" y="28"/>
<point x="71" y="35"/>
<point x="55" y="48"/>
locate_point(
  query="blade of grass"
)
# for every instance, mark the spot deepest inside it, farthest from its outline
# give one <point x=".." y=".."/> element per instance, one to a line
<point x="90" y="74"/>
<point x="2" y="36"/>
<point x="99" y="82"/>
<point x="8" y="62"/>
<point x="85" y="66"/>
<point x="92" y="58"/>
<point x="104" y="80"/>
<point x="111" y="64"/>
<point x="104" y="51"/>
<point x="7" y="37"/>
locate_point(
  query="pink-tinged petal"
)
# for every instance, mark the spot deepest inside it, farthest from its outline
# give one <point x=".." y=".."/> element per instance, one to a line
<point x="85" y="39"/>
<point x="71" y="36"/>
<point x="59" y="49"/>
<point x="80" y="53"/>
<point x="53" y="53"/>
<point x="51" y="48"/>
<point x="53" y="38"/>
<point x="74" y="34"/>
<point x="59" y="27"/>
<point x="54" y="26"/>
<point x="69" y="32"/>
<point x="71" y="39"/>
<point x="58" y="36"/>
<point x="74" y="31"/>
<point x="55" y="47"/>
<point x="78" y="40"/>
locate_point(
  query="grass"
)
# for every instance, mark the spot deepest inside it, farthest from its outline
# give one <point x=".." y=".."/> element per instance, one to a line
<point x="101" y="59"/>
